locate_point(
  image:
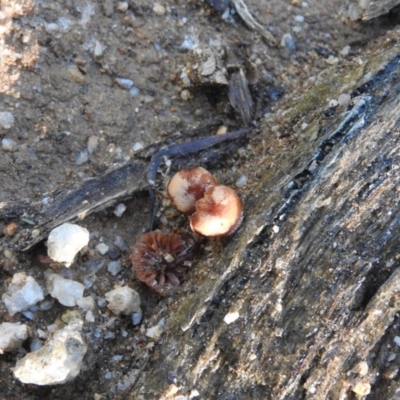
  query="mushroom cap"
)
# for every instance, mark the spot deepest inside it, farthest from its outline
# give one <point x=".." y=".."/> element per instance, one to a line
<point x="218" y="213"/>
<point x="187" y="186"/>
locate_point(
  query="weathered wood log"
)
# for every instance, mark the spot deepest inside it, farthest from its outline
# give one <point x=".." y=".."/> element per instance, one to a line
<point x="313" y="273"/>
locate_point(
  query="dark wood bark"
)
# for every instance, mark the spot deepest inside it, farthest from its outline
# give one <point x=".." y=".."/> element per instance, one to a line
<point x="313" y="273"/>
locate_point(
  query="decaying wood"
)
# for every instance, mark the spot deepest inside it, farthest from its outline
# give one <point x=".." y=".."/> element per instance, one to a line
<point x="313" y="274"/>
<point x="369" y="9"/>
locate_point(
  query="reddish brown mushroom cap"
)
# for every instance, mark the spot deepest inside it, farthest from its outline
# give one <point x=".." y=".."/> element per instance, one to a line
<point x="218" y="213"/>
<point x="154" y="259"/>
<point x="187" y="186"/>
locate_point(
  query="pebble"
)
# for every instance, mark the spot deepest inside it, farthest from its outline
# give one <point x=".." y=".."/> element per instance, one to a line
<point x="114" y="267"/>
<point x="137" y="146"/>
<point x="185" y="94"/>
<point x="92" y="144"/>
<point x="8" y="144"/>
<point x="123" y="300"/>
<point x="58" y="361"/>
<point x="242" y="181"/>
<point x="102" y="248"/>
<point x="137" y="318"/>
<point x="123" y="6"/>
<point x="12" y="335"/>
<point x="332" y="60"/>
<point x="231" y="317"/>
<point x="23" y="293"/>
<point x="397" y="340"/>
<point x="86" y="303"/>
<point x="98" y="49"/>
<point x="345" y="51"/>
<point x="66" y="291"/>
<point x="288" y="42"/>
<point x="344" y="99"/>
<point x="113" y="253"/>
<point x="119" y="210"/>
<point x="66" y="241"/>
<point x="362" y="388"/>
<point x="124" y="83"/>
<point x="155" y="332"/>
<point x="299" y="18"/>
<point x="120" y="243"/>
<point x="36" y="344"/>
<point x="134" y="91"/>
<point x="76" y="74"/>
<point x="82" y="157"/>
<point x="89" y="317"/>
<point x="6" y="119"/>
<point x="159" y="9"/>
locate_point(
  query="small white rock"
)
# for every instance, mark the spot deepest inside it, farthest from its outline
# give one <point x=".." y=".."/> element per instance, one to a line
<point x="344" y="99"/>
<point x="23" y="293"/>
<point x="92" y="144"/>
<point x="66" y="291"/>
<point x="155" y="332"/>
<point x="119" y="210"/>
<point x="6" y="119"/>
<point x="159" y="9"/>
<point x="123" y="300"/>
<point x="8" y="144"/>
<point x="242" y="181"/>
<point x="66" y="241"/>
<point x="98" y="49"/>
<point x="82" y="157"/>
<point x="114" y="267"/>
<point x="58" y="361"/>
<point x="397" y="340"/>
<point x="231" y="317"/>
<point x="12" y="335"/>
<point x="86" y="303"/>
<point x="123" y="6"/>
<point x="102" y="248"/>
<point x="137" y="146"/>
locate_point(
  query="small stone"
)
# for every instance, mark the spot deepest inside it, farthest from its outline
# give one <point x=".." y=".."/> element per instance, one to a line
<point x="58" y="361"/>
<point x="23" y="293"/>
<point x="6" y="119"/>
<point x="242" y="181"/>
<point x="288" y="42"/>
<point x="362" y="389"/>
<point x="345" y="51"/>
<point x="36" y="344"/>
<point x="82" y="157"/>
<point x="11" y="229"/>
<point x="333" y="103"/>
<point x="89" y="317"/>
<point x="124" y="83"/>
<point x="134" y="91"/>
<point x="137" y="146"/>
<point x="113" y="253"/>
<point x="66" y="291"/>
<point x="102" y="248"/>
<point x="86" y="303"/>
<point x="299" y="18"/>
<point x="344" y="99"/>
<point x="332" y="60"/>
<point x="119" y="210"/>
<point x="185" y="94"/>
<point x="231" y="317"/>
<point x="92" y="144"/>
<point x="123" y="6"/>
<point x="397" y="340"/>
<point x="8" y="144"/>
<point x="275" y="228"/>
<point x="12" y="335"/>
<point x="98" y="49"/>
<point x="66" y="241"/>
<point x="120" y="243"/>
<point x="123" y="300"/>
<point x="136" y="318"/>
<point x="76" y="74"/>
<point x="114" y="267"/>
<point x="159" y="9"/>
<point x="108" y="7"/>
<point x="155" y="332"/>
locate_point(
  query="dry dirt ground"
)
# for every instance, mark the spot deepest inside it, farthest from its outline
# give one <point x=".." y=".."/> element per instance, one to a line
<point x="61" y="62"/>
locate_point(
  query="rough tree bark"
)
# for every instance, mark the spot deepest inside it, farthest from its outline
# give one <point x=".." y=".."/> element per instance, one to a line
<point x="313" y="273"/>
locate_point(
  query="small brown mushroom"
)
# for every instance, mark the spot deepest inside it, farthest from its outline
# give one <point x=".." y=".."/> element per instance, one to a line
<point x="187" y="186"/>
<point x="158" y="260"/>
<point x="218" y="213"/>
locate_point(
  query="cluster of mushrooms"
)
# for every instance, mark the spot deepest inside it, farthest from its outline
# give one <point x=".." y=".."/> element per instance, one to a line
<point x="160" y="259"/>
